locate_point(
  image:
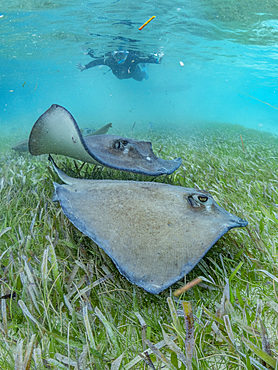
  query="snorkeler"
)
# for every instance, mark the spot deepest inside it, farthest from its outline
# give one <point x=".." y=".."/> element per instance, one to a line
<point x="124" y="63"/>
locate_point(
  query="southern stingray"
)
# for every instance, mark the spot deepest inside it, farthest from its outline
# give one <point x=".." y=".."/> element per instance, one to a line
<point x="155" y="233"/>
<point x="56" y="132"/>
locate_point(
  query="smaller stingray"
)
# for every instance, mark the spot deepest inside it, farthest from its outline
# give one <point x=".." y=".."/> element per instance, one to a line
<point x="56" y="132"/>
<point x="22" y="146"/>
<point x="155" y="233"/>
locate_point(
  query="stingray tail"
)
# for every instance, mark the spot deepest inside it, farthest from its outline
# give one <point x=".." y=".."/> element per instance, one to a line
<point x="65" y="178"/>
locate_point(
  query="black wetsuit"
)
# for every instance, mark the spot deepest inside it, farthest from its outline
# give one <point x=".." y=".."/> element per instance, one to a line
<point x="127" y="68"/>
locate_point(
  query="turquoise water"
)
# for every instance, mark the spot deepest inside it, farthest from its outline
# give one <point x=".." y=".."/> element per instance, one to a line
<point x="220" y="57"/>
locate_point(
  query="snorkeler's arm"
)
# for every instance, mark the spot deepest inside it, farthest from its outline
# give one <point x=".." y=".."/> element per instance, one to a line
<point x="93" y="63"/>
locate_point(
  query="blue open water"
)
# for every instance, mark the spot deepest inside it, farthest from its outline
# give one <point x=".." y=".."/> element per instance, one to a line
<point x="220" y="57"/>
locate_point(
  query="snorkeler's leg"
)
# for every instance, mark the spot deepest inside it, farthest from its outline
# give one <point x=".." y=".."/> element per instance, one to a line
<point x="138" y="74"/>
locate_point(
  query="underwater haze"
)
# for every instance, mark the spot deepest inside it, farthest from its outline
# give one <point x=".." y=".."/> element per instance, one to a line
<point x="219" y="64"/>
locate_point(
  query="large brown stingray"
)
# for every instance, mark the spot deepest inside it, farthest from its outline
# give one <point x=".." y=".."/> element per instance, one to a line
<point x="56" y="132"/>
<point x="155" y="233"/>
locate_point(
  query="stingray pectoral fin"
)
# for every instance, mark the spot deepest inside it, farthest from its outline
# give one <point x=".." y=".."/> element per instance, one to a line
<point x="168" y="166"/>
<point x="56" y="132"/>
<point x="126" y="154"/>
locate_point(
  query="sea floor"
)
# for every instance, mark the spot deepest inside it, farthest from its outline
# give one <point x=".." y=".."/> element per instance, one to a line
<point x="65" y="305"/>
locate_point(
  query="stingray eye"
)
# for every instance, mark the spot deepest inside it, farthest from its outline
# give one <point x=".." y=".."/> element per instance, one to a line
<point x="197" y="201"/>
<point x="120" y="144"/>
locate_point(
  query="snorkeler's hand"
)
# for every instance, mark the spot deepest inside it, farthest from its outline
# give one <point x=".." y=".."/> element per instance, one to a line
<point x="160" y="55"/>
<point x="81" y="67"/>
